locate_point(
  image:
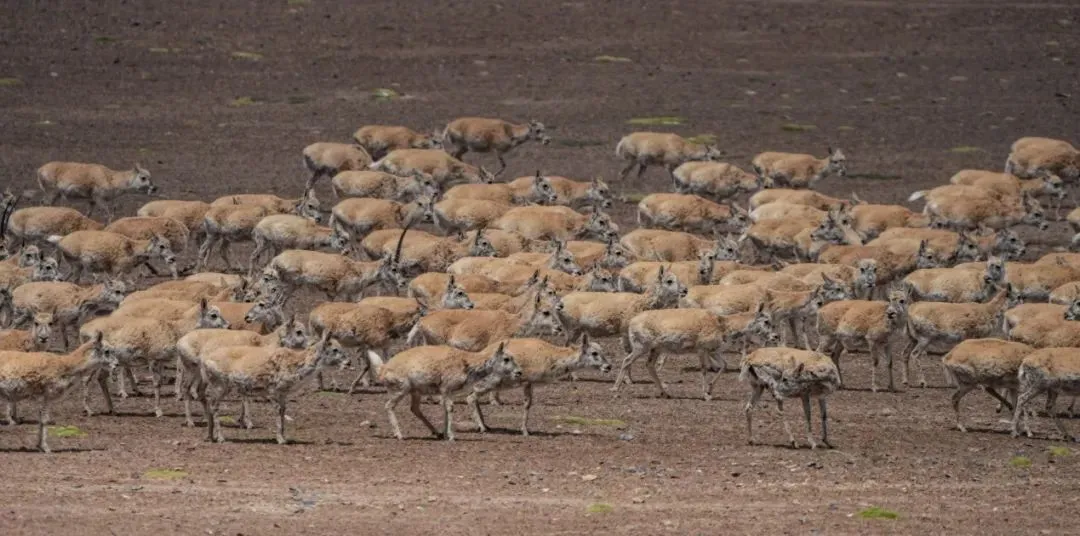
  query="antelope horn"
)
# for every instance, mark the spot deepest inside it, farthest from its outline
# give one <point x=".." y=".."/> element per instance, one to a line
<point x="401" y="240"/>
<point x="6" y="216"/>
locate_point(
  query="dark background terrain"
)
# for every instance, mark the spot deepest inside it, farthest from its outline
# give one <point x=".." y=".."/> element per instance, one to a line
<point x="219" y="99"/>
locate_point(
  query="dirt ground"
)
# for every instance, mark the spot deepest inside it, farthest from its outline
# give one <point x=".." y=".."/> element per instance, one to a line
<point x="219" y="98"/>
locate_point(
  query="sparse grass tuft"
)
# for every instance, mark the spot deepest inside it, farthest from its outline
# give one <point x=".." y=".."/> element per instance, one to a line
<point x="582" y="421"/>
<point x="225" y="419"/>
<point x="666" y="120"/>
<point x="874" y="176"/>
<point x="104" y="40"/>
<point x="967" y="149"/>
<point x="66" y="431"/>
<point x="242" y="101"/>
<point x="570" y="142"/>
<point x="612" y="59"/>
<point x="298" y="99"/>
<point x="384" y="94"/>
<point x="704" y="139"/>
<point x="1022" y="462"/>
<point x="250" y="56"/>
<point x="165" y="474"/>
<point x="877" y="512"/>
<point x="845" y="128"/>
<point x="795" y="127"/>
<point x="1059" y="452"/>
<point x="159" y="50"/>
<point x="10" y="82"/>
<point x="600" y="508"/>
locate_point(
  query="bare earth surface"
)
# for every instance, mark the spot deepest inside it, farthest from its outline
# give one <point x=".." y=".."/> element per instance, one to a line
<point x="218" y="100"/>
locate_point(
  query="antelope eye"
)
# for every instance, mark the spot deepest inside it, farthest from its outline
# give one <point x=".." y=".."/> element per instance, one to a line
<point x="547" y="313"/>
<point x="596" y="354"/>
<point x="506" y="360"/>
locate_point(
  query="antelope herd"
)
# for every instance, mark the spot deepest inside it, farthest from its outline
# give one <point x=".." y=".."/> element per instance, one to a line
<point x="788" y="283"/>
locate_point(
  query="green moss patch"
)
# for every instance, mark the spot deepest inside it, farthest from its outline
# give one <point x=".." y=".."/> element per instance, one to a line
<point x="66" y="431"/>
<point x="877" y="512"/>
<point x="662" y="120"/>
<point x="165" y="474"/>
<point x="582" y="421"/>
<point x="600" y="508"/>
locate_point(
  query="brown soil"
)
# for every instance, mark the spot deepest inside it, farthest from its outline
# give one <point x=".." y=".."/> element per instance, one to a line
<point x="912" y="91"/>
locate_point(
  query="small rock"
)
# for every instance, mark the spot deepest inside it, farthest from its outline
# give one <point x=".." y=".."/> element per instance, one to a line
<point x="958" y="79"/>
<point x="626" y="436"/>
<point x="588" y="478"/>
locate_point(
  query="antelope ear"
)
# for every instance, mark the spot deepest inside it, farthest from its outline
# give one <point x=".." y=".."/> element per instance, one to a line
<point x="502" y="348"/>
<point x="799" y="369"/>
<point x="203" y="305"/>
